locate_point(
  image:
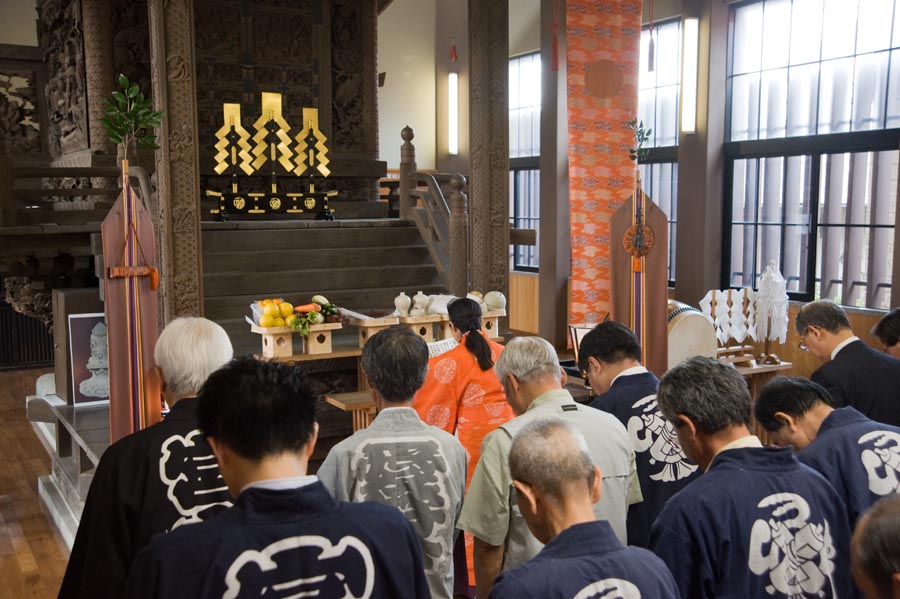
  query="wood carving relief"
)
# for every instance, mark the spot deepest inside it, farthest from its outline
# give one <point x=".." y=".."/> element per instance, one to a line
<point x="19" y="119"/>
<point x="131" y="41"/>
<point x="489" y="145"/>
<point x="347" y="75"/>
<point x="178" y="181"/>
<point x="61" y="38"/>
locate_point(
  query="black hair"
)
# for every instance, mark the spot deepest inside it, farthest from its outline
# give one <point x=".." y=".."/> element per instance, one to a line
<point x="258" y="409"/>
<point x="708" y="391"/>
<point x="610" y="343"/>
<point x="877" y="552"/>
<point x="465" y="314"/>
<point x="792" y="395"/>
<point x="395" y="361"/>
<point x="824" y="314"/>
<point x="888" y="328"/>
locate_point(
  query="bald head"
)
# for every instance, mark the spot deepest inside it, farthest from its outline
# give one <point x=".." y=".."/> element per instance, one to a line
<point x="875" y="550"/>
<point x="552" y="457"/>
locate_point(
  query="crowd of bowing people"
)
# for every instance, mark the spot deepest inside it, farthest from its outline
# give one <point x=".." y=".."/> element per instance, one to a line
<point x="655" y="489"/>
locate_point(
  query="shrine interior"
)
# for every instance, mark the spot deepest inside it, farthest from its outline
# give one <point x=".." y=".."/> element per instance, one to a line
<point x="562" y="154"/>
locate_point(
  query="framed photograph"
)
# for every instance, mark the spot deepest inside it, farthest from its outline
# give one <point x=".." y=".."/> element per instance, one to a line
<point x="89" y="358"/>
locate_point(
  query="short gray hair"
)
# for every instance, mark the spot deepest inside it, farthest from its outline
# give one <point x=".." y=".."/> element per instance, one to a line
<point x="528" y="359"/>
<point x="709" y="392"/>
<point x="188" y="351"/>
<point x="877" y="554"/>
<point x="395" y="361"/>
<point x="824" y="314"/>
<point x="550" y="455"/>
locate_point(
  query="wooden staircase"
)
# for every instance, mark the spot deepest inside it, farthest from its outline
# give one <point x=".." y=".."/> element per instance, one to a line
<point x="356" y="264"/>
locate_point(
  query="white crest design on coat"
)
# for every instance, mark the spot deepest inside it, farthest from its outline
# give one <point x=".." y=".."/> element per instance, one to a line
<point x="798" y="555"/>
<point x="191" y="474"/>
<point x="881" y="459"/>
<point x="649" y="431"/>
<point x="344" y="569"/>
<point x="411" y="474"/>
<point x="609" y="588"/>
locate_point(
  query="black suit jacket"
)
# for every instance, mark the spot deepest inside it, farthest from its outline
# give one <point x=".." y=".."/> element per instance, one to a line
<point x="866" y="379"/>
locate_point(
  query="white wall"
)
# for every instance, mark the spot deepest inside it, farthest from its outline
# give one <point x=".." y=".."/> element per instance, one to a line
<point x="17" y="22"/>
<point x="524" y="26"/>
<point x="406" y="52"/>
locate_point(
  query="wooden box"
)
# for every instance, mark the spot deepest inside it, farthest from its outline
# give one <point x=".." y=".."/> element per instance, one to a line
<point x="319" y="340"/>
<point x="421" y="325"/>
<point x="276" y="341"/>
<point x="65" y="302"/>
<point x="490" y="322"/>
<point x="370" y="326"/>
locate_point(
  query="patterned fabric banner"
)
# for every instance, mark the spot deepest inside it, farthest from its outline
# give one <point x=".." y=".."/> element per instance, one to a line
<point x="602" y="62"/>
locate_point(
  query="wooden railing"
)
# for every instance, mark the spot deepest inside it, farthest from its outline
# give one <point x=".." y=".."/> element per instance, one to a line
<point x="29" y="205"/>
<point x="442" y="222"/>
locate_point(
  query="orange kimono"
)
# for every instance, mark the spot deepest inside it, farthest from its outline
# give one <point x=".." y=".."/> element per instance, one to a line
<point x="461" y="398"/>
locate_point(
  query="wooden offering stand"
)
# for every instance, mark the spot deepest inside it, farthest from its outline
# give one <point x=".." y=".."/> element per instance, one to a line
<point x="370" y="326"/>
<point x="490" y="324"/>
<point x="421" y="325"/>
<point x="277" y="342"/>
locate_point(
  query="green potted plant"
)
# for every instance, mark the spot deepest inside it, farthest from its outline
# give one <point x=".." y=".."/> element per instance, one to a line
<point x="130" y="118"/>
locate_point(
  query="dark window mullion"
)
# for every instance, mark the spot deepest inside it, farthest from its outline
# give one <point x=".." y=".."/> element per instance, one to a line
<point x="812" y="233"/>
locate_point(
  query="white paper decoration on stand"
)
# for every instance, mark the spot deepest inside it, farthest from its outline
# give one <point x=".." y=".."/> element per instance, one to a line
<point x="772" y="306"/>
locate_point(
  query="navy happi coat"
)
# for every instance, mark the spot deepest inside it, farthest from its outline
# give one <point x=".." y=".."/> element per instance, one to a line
<point x="588" y="561"/>
<point x="662" y="466"/>
<point x="286" y="543"/>
<point x="858" y="456"/>
<point x="757" y="524"/>
<point x="149" y="482"/>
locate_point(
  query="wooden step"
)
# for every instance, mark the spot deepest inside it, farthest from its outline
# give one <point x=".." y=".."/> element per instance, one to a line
<point x="294" y="285"/>
<point x="287" y="260"/>
<point x="313" y="238"/>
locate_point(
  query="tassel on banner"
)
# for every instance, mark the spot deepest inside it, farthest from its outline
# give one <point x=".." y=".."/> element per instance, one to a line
<point x="453" y="55"/>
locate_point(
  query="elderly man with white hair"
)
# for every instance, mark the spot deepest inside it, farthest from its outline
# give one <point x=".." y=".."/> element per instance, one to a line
<point x="533" y="381"/>
<point x="556" y="485"/>
<point x="156" y="479"/>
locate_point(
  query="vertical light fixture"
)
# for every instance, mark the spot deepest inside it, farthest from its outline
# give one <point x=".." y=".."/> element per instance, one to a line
<point x="453" y="114"/>
<point x="689" y="58"/>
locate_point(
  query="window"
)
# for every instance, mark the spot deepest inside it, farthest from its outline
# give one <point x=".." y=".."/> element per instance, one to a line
<point x="811" y="166"/>
<point x="524" y="152"/>
<point x="658" y="110"/>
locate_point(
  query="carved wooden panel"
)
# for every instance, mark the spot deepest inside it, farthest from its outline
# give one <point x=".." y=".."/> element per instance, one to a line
<point x="131" y="41"/>
<point x="61" y="38"/>
<point x="20" y="121"/>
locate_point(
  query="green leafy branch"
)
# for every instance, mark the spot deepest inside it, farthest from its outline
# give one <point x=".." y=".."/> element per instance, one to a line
<point x="641" y="136"/>
<point x="130" y="116"/>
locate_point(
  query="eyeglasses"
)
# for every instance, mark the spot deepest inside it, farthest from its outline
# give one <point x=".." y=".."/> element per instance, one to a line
<point x="802" y="346"/>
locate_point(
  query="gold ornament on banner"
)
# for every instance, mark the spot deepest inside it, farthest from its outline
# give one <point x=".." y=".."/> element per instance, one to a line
<point x="233" y="143"/>
<point x="271" y="120"/>
<point x="312" y="153"/>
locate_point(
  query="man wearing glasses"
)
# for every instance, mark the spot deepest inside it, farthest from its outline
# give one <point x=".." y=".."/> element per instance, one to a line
<point x="852" y="372"/>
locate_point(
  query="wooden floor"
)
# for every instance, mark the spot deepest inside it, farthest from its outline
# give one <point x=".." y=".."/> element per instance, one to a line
<point x="32" y="555"/>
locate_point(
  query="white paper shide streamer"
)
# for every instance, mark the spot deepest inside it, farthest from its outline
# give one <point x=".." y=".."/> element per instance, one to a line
<point x="772" y="306"/>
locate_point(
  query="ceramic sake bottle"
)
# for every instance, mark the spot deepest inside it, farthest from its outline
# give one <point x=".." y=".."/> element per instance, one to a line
<point x="402" y="302"/>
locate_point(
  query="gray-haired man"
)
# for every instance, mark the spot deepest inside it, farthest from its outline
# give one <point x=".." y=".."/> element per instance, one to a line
<point x="758" y="523"/>
<point x="401" y="461"/>
<point x="556" y="484"/>
<point x="529" y="370"/>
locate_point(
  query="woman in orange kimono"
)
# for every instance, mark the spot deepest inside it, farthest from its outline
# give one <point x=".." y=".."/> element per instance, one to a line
<point x="461" y="394"/>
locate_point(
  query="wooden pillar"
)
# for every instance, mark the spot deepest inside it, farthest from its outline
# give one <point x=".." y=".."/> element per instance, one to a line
<point x="553" y="244"/>
<point x="177" y="160"/>
<point x="99" y="67"/>
<point x="701" y="163"/>
<point x="407" y="168"/>
<point x="489" y="144"/>
<point x="459" y="237"/>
